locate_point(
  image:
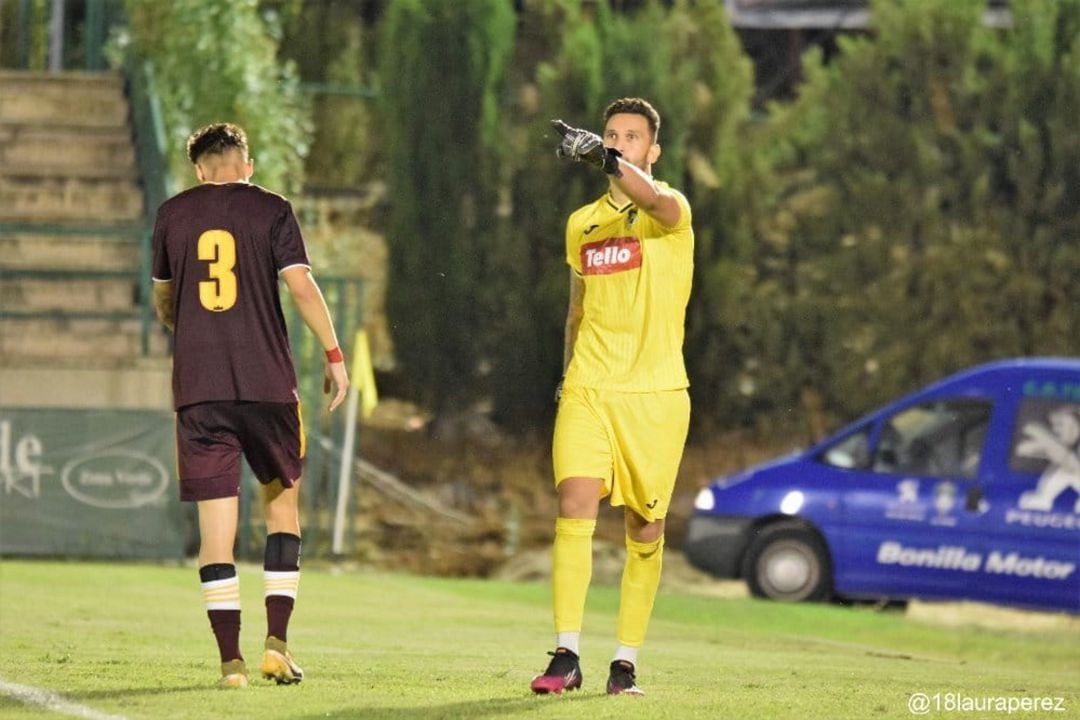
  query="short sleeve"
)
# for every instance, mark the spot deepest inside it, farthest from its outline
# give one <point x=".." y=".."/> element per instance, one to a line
<point x="573" y="251"/>
<point x="159" y="267"/>
<point x="683" y="225"/>
<point x="288" y="242"/>
<point x="685" y="218"/>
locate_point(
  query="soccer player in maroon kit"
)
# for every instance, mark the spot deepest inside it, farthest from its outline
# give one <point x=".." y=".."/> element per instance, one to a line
<point x="220" y="249"/>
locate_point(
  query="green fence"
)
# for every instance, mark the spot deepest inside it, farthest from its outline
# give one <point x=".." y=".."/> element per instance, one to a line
<point x="325" y="431"/>
<point x="90" y="483"/>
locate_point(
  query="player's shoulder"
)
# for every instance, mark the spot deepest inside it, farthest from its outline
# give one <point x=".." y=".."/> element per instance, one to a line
<point x="684" y="203"/>
<point x="267" y="194"/>
<point x="679" y="194"/>
<point x="178" y="200"/>
<point x="263" y="196"/>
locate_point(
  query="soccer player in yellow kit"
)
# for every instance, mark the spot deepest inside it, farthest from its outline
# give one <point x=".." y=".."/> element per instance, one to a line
<point x="624" y="409"/>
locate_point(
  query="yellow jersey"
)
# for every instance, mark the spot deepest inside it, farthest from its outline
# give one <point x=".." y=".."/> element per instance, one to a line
<point x="637" y="275"/>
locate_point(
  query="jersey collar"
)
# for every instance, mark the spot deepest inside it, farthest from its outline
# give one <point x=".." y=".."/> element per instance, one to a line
<point x="610" y="200"/>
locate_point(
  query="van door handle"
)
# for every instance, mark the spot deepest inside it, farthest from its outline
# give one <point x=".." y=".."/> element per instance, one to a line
<point x="974" y="499"/>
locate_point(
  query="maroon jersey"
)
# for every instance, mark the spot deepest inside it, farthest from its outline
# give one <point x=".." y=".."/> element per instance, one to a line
<point x="223" y="246"/>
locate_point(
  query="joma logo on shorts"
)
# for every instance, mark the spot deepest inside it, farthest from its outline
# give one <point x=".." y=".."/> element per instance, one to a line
<point x="611" y="256"/>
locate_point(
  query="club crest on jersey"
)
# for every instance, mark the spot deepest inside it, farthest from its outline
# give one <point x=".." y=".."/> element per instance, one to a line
<point x="613" y="255"/>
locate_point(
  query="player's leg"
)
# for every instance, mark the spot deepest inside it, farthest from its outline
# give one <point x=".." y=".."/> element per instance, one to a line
<point x="208" y="456"/>
<point x="281" y="573"/>
<point x="571" y="572"/>
<point x="220" y="583"/>
<point x="637" y="593"/>
<point x="650" y="434"/>
<point x="571" y="562"/>
<point x="582" y="458"/>
<point x="274" y="446"/>
<point x="281" y="560"/>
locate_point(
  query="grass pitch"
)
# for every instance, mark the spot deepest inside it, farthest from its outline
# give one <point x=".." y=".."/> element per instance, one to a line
<point x="133" y="641"/>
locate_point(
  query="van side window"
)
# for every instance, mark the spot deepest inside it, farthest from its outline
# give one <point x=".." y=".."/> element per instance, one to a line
<point x="851" y="453"/>
<point x="939" y="438"/>
<point x="1047" y="435"/>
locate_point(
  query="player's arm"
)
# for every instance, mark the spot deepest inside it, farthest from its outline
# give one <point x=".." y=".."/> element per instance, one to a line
<point x="163" y="303"/>
<point x="574" y="314"/>
<point x="642" y="190"/>
<point x="312" y="307"/>
<point x="588" y="147"/>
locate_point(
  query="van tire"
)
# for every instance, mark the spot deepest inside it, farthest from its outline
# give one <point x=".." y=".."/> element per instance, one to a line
<point x="789" y="562"/>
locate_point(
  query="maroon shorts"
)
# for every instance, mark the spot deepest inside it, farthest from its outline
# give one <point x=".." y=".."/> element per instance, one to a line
<point x="212" y="436"/>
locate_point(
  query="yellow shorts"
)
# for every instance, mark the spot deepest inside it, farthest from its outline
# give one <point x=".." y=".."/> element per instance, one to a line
<point x="632" y="441"/>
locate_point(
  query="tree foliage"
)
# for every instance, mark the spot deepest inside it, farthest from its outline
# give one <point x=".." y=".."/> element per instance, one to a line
<point x="926" y="200"/>
<point x="444" y="69"/>
<point x="334" y="49"/>
<point x="217" y="62"/>
<point x="914" y="210"/>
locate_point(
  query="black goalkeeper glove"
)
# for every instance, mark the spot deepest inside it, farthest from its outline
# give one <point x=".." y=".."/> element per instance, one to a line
<point x="587" y="147"/>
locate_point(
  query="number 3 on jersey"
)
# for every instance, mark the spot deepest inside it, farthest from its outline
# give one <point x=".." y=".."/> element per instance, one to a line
<point x="218" y="247"/>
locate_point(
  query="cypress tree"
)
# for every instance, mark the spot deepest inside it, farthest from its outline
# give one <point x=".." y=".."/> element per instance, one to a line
<point x="443" y="65"/>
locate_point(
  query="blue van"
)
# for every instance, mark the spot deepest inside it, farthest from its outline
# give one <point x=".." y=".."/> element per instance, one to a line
<point x="966" y="489"/>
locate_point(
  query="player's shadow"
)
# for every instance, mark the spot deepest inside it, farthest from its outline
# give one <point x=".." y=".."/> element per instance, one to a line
<point x="492" y="707"/>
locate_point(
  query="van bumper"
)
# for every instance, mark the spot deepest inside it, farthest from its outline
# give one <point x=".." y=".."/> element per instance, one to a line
<point x="716" y="544"/>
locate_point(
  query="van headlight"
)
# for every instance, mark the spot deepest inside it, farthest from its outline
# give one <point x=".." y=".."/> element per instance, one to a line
<point x="792" y="503"/>
<point x="705" y="500"/>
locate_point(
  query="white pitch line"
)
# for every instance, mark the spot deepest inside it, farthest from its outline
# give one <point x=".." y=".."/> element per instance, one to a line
<point x="52" y="701"/>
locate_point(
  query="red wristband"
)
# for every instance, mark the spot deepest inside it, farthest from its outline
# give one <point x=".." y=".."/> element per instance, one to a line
<point x="335" y="355"/>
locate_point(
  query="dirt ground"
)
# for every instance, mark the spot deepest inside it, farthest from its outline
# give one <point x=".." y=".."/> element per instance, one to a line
<point x="502" y="484"/>
<point x="499" y="499"/>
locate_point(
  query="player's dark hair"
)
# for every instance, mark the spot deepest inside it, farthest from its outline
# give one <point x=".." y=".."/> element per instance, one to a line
<point x="635" y="106"/>
<point x="216" y="139"/>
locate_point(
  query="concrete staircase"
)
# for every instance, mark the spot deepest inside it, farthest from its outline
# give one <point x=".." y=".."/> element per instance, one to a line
<point x="71" y="218"/>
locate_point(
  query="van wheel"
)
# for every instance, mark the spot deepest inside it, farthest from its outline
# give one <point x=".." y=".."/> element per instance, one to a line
<point x="788" y="562"/>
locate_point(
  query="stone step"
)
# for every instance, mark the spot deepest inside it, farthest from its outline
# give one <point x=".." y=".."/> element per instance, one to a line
<point x="94" y="100"/>
<point x="72" y="295"/>
<point x="83" y="343"/>
<point x="66" y="152"/>
<point x="79" y="200"/>
<point x="143" y="383"/>
<point x="27" y="250"/>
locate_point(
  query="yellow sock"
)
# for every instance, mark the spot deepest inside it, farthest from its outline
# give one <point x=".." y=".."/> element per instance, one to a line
<point x="640" y="579"/>
<point x="571" y="571"/>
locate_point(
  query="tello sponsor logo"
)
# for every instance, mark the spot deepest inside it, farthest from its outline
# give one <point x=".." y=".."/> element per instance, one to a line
<point x="612" y="255"/>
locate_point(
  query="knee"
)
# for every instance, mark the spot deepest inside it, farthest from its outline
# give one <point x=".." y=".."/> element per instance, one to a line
<point x="579" y="498"/>
<point x="283" y="520"/>
<point x="578" y="507"/>
<point x="641" y="531"/>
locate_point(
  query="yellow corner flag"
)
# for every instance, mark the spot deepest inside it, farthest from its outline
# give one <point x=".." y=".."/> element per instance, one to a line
<point x="363" y="374"/>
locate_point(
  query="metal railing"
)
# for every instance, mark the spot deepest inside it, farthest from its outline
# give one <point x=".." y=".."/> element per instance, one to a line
<point x="149" y="131"/>
<point x="56" y="35"/>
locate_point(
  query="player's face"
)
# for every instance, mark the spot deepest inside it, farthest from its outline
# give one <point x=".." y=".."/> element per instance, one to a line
<point x="629" y="133"/>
